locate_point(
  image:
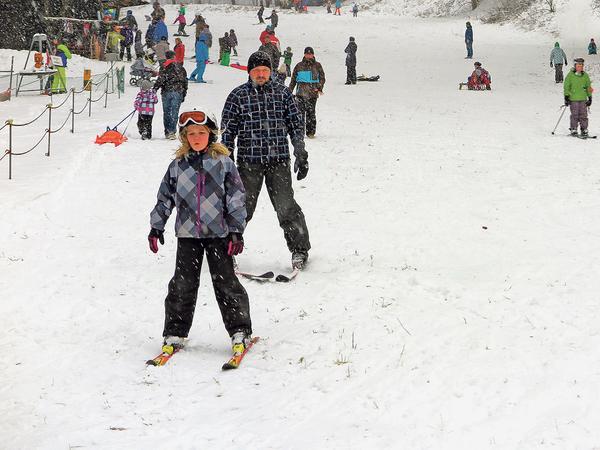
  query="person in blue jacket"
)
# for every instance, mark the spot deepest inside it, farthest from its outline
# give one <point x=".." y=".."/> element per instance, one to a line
<point x="592" y="47"/>
<point x="201" y="58"/>
<point x="469" y="40"/>
<point x="160" y="31"/>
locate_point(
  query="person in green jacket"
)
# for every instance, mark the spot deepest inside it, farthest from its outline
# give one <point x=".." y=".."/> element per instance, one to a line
<point x="578" y="96"/>
<point x="287" y="60"/>
<point x="59" y="80"/>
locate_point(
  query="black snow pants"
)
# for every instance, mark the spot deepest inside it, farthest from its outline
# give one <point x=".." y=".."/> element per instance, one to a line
<point x="183" y="287"/>
<point x="307" y="107"/>
<point x="350" y="74"/>
<point x="558" y="73"/>
<point x="144" y="124"/>
<point x="278" y="178"/>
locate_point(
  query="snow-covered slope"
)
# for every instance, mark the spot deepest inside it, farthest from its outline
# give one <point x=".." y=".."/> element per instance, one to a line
<point x="451" y="298"/>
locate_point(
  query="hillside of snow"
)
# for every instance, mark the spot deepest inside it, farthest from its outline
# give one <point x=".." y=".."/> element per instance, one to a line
<point x="451" y="296"/>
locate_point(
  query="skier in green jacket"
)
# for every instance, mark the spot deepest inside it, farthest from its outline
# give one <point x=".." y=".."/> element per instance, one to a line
<point x="578" y="96"/>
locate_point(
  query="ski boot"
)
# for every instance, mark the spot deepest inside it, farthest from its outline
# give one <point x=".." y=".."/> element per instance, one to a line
<point x="239" y="342"/>
<point x="299" y="259"/>
<point x="584" y="134"/>
<point x="574" y="132"/>
<point x="172" y="344"/>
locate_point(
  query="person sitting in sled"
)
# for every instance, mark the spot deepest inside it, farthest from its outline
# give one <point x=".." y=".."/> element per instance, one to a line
<point x="480" y="79"/>
<point x="204" y="185"/>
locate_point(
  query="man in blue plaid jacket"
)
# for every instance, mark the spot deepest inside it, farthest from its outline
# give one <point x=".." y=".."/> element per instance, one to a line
<point x="261" y="114"/>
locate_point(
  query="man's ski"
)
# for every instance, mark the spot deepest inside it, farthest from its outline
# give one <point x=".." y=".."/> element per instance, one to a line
<point x="161" y="360"/>
<point x="251" y="276"/>
<point x="287" y="278"/>
<point x="236" y="359"/>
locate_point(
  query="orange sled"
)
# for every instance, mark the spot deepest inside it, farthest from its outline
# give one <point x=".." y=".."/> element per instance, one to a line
<point x="112" y="136"/>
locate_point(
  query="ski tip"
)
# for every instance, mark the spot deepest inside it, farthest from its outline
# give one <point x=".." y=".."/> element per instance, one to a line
<point x="229" y="366"/>
<point x="151" y="362"/>
<point x="282" y="279"/>
<point x="268" y="274"/>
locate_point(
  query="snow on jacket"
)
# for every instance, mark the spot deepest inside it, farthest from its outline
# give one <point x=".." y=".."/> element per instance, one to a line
<point x="274" y="54"/>
<point x="469" y="34"/>
<point x="160" y="31"/>
<point x="179" y="53"/>
<point x="309" y="76"/>
<point x="128" y="35"/>
<point x="350" y="50"/>
<point x="557" y="56"/>
<point x="145" y="101"/>
<point x="261" y="118"/>
<point x="577" y="86"/>
<point x="172" y="78"/>
<point x="201" y="50"/>
<point x="209" y="196"/>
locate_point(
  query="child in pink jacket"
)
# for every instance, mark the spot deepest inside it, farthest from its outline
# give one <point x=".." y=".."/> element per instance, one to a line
<point x="144" y="105"/>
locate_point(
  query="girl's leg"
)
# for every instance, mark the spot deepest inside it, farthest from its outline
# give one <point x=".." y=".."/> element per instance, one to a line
<point x="183" y="288"/>
<point x="231" y="295"/>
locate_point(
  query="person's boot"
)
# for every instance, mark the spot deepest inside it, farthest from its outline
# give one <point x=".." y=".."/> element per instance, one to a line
<point x="239" y="342"/>
<point x="299" y="259"/>
<point x="573" y="132"/>
<point x="171" y="344"/>
<point x="584" y="133"/>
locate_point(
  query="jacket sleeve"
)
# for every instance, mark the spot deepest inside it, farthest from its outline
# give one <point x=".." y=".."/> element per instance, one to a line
<point x="567" y="85"/>
<point x="321" y="77"/>
<point x="293" y="80"/>
<point x="564" y="55"/>
<point x="293" y="119"/>
<point x="235" y="198"/>
<point x="230" y="122"/>
<point x="165" y="200"/>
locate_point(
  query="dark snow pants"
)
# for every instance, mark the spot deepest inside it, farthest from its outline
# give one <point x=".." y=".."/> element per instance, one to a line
<point x="278" y="178"/>
<point x="469" y="49"/>
<point x="579" y="115"/>
<point x="350" y="74"/>
<point x="144" y="124"/>
<point x="183" y="287"/>
<point x="558" y="73"/>
<point x="307" y="107"/>
<point x="122" y="52"/>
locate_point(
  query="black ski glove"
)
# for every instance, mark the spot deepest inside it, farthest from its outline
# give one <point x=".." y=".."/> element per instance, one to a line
<point x="589" y="102"/>
<point x="567" y="100"/>
<point x="154" y="238"/>
<point x="551" y="65"/>
<point x="301" y="163"/>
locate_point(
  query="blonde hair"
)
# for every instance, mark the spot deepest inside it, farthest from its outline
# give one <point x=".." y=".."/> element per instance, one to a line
<point x="214" y="149"/>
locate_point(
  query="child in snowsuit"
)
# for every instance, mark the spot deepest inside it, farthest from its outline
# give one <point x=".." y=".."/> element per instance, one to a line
<point x="182" y="23"/>
<point x="355" y="10"/>
<point x="592" y="47"/>
<point x="144" y="105"/>
<point x="480" y="79"/>
<point x="233" y="40"/>
<point x="204" y="185"/>
<point x="578" y="96"/>
<point x="287" y="60"/>
<point x="126" y="42"/>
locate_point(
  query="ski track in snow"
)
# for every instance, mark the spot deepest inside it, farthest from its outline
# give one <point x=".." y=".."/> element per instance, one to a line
<point x="413" y="325"/>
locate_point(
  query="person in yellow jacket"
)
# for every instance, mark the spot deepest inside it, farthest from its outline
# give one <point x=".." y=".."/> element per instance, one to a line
<point x="59" y="80"/>
<point x="113" y="40"/>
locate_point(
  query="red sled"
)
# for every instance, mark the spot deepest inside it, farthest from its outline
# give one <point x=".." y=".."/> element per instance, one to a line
<point x="239" y="66"/>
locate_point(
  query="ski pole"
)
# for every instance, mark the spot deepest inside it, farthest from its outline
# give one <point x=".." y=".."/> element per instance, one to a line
<point x="564" y="108"/>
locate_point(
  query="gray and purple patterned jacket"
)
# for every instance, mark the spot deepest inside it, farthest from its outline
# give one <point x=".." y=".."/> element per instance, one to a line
<point x="208" y="194"/>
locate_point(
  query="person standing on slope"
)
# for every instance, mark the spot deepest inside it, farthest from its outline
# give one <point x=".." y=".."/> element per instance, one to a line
<point x="557" y="57"/>
<point x="261" y="114"/>
<point x="309" y="77"/>
<point x="274" y="19"/>
<point x="201" y="57"/>
<point x="172" y="79"/>
<point x="203" y="184"/>
<point x="260" y="13"/>
<point x="350" y="50"/>
<point x="469" y="40"/>
<point x="578" y="96"/>
<point x="592" y="49"/>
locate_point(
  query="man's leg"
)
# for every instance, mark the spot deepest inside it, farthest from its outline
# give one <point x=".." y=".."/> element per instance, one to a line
<point x="252" y="176"/>
<point x="177" y="100"/>
<point x="301" y="102"/>
<point x="166" y="101"/>
<point x="311" y="116"/>
<point x="278" y="179"/>
<point x="183" y="288"/>
<point x="230" y="294"/>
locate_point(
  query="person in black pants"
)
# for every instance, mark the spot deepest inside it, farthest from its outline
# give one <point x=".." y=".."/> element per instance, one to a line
<point x="351" y="61"/>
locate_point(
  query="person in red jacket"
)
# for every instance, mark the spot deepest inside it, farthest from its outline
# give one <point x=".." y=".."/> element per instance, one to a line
<point x="179" y="51"/>
<point x="271" y="34"/>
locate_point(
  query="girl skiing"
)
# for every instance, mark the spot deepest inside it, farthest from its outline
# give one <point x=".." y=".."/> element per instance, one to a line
<point x="203" y="183"/>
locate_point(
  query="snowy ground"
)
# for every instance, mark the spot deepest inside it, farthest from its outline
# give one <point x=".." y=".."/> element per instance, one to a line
<point x="451" y="299"/>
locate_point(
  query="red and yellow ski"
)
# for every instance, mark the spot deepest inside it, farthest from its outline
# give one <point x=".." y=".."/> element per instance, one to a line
<point x="237" y="358"/>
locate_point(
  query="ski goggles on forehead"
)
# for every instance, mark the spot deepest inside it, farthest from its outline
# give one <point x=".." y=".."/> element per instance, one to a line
<point x="195" y="117"/>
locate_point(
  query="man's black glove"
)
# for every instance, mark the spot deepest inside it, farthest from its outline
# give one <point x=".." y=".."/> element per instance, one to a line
<point x="301" y="163"/>
<point x="589" y="102"/>
<point x="567" y="100"/>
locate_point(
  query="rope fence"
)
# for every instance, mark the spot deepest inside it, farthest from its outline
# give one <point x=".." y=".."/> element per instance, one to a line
<point x="88" y="87"/>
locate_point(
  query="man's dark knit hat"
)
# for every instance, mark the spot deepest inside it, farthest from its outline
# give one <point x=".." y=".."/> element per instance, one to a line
<point x="309" y="50"/>
<point x="258" y="59"/>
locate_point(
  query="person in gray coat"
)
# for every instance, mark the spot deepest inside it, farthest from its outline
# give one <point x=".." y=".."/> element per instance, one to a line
<point x="351" y="49"/>
<point x="557" y="57"/>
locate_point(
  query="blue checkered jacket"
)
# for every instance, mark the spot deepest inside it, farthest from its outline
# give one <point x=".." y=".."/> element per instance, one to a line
<point x="208" y="194"/>
<point x="261" y="118"/>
